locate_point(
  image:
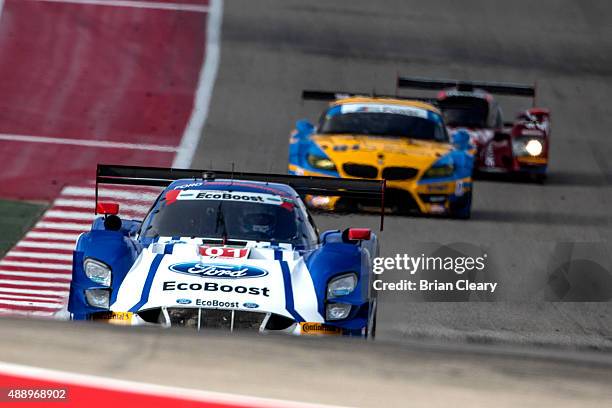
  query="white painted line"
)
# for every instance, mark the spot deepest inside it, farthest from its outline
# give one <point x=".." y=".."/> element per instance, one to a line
<point x="67" y="202"/>
<point x="27" y="303"/>
<point x="131" y="387"/>
<point x="59" y="300"/>
<point x="206" y="83"/>
<point x="53" y="235"/>
<point x="41" y="265"/>
<point x="62" y="226"/>
<point x="31" y="283"/>
<point x="135" y="4"/>
<point x="91" y="192"/>
<point x="27" y="312"/>
<point x="86" y="142"/>
<point x="50" y="245"/>
<point x="30" y="274"/>
<point x="34" y="291"/>
<point x="39" y="255"/>
<point x="70" y="215"/>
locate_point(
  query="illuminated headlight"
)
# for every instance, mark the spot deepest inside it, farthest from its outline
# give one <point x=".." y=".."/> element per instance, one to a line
<point x="98" y="297"/>
<point x="320" y="162"/>
<point x="524" y="147"/>
<point x="534" y="147"/>
<point x="439" y="171"/>
<point x="341" y="285"/>
<point x="97" y="272"/>
<point x="320" y="201"/>
<point x="337" y="311"/>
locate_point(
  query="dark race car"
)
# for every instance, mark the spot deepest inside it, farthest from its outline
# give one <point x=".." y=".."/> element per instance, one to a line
<point x="518" y="147"/>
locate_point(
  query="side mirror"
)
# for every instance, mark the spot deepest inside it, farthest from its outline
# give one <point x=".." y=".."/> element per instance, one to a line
<point x="110" y="210"/>
<point x="461" y="139"/>
<point x="107" y="208"/>
<point x="356" y="234"/>
<point x="304" y="127"/>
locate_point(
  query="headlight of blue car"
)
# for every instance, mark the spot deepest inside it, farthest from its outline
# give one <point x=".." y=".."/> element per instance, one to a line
<point x="97" y="271"/>
<point x="321" y="162"/>
<point x="98" y="298"/>
<point x="341" y="285"/>
<point x="337" y="311"/>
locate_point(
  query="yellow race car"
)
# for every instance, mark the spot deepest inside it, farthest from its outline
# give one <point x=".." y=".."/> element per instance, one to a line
<point x="402" y="141"/>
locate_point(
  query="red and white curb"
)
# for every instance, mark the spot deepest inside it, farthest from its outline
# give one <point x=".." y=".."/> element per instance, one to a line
<point x="35" y="274"/>
<point x="95" y="391"/>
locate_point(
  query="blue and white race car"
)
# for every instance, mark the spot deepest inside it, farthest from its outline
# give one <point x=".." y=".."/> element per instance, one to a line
<point x="235" y="251"/>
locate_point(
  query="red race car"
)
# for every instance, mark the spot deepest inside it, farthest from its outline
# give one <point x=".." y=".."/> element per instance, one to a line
<point x="518" y="147"/>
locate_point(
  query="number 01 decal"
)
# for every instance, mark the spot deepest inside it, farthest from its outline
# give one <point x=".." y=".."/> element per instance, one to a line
<point x="223" y="252"/>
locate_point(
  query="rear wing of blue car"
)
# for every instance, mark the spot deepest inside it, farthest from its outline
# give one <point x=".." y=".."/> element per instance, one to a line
<point x="498" y="88"/>
<point x="303" y="185"/>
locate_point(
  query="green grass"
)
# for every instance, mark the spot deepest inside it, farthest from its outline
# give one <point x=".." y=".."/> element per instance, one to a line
<point x="16" y="218"/>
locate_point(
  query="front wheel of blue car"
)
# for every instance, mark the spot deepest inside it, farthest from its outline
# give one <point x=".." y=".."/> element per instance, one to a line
<point x="462" y="207"/>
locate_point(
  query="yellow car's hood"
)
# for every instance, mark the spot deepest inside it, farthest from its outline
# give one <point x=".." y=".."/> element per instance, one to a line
<point x="381" y="151"/>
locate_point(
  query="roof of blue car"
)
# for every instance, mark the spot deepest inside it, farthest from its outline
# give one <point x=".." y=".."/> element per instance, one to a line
<point x="233" y="185"/>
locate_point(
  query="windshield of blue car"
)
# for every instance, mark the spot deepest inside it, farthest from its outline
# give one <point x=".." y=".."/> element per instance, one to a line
<point x="465" y="112"/>
<point x="395" y="121"/>
<point x="244" y="216"/>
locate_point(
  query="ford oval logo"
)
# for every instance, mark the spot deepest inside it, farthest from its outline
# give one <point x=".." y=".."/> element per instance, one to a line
<point x="218" y="271"/>
<point x="183" y="301"/>
<point x="250" y="305"/>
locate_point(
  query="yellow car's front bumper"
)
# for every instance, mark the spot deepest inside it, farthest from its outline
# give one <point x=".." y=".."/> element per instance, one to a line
<point x="401" y="196"/>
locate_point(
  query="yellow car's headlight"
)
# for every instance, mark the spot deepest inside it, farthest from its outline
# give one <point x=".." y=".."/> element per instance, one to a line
<point x="320" y="162"/>
<point x="439" y="172"/>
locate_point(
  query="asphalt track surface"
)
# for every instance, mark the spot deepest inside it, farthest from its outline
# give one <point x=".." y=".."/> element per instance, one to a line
<point x="328" y="371"/>
<point x="544" y="242"/>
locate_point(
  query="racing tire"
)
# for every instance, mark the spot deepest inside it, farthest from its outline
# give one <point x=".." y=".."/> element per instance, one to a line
<point x="462" y="208"/>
